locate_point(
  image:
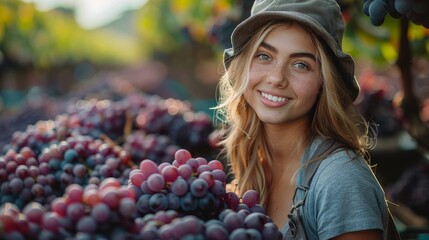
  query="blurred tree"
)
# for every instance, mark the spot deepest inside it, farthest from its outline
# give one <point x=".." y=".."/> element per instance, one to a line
<point x="47" y="39"/>
<point x="178" y="33"/>
<point x="165" y="26"/>
<point x="50" y="50"/>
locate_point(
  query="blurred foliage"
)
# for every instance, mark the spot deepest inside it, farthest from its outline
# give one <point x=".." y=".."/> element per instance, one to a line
<point x="46" y="39"/>
<point x="49" y="39"/>
<point x="165" y="26"/>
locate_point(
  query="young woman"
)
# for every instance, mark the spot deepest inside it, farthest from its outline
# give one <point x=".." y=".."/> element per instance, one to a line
<point x="288" y="85"/>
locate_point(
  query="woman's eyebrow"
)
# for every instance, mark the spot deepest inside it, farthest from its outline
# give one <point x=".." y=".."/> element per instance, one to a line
<point x="303" y="54"/>
<point x="293" y="55"/>
<point x="268" y="47"/>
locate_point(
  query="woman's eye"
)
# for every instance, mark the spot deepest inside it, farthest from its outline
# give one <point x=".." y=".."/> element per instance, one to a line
<point x="263" y="57"/>
<point x="301" y="66"/>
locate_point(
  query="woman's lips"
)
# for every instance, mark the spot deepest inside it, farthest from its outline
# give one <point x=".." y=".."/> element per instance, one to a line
<point x="273" y="100"/>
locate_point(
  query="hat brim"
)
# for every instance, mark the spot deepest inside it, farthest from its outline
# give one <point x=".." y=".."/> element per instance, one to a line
<point x="246" y="29"/>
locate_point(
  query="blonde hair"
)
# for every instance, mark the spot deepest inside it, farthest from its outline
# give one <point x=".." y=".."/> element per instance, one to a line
<point x="244" y="143"/>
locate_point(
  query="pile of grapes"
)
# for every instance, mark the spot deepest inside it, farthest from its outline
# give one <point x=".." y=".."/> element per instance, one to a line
<point x="123" y="170"/>
<point x="415" y="10"/>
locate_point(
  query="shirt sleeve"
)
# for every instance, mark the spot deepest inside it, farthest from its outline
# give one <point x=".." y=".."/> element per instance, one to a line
<point x="347" y="197"/>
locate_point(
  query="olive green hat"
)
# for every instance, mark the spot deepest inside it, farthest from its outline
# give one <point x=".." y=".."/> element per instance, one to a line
<point x="323" y="17"/>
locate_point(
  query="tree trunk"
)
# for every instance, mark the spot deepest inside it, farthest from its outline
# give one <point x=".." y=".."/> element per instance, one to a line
<point x="410" y="105"/>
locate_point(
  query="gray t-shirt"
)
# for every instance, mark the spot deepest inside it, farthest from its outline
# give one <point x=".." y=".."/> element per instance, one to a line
<point x="344" y="196"/>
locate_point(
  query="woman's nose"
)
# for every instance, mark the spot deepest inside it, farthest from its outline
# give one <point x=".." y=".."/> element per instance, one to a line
<point x="277" y="77"/>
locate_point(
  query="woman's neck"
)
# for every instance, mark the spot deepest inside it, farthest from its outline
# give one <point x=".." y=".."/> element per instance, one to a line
<point x="286" y="145"/>
<point x="286" y="141"/>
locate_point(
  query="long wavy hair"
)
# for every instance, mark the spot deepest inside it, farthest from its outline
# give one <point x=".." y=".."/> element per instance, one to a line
<point x="244" y="142"/>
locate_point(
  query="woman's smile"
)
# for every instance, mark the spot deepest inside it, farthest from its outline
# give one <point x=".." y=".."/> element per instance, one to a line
<point x="273" y="100"/>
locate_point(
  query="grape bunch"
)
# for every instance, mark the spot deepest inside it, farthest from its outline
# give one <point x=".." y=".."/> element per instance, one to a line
<point x="94" y="140"/>
<point x="28" y="115"/>
<point x="174" y="118"/>
<point x="36" y="137"/>
<point x="229" y="225"/>
<point x="123" y="170"/>
<point x="181" y="199"/>
<point x="107" y="211"/>
<point x="415" y="10"/>
<point x="189" y="185"/>
<point x="116" y="120"/>
<point x="25" y="177"/>
<point x="141" y="145"/>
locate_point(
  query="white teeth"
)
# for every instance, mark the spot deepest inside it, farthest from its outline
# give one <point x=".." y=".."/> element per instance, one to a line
<point x="273" y="98"/>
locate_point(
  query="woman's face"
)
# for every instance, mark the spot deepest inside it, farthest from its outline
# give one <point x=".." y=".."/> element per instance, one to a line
<point x="284" y="77"/>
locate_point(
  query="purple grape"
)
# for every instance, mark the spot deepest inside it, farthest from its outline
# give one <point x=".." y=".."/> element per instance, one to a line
<point x="101" y="212"/>
<point x="233" y="221"/>
<point x="16" y="185"/>
<point x="185" y="171"/>
<point x="50" y="221"/>
<point x="377" y="12"/>
<point x="188" y="202"/>
<point x="250" y="198"/>
<point x="167" y="232"/>
<point x="173" y="201"/>
<point x="253" y="234"/>
<point x="255" y="220"/>
<point x="232" y="200"/>
<point x="143" y="204"/>
<point x="145" y="188"/>
<point x="158" y="202"/>
<point x="170" y="173"/>
<point x="403" y="6"/>
<point x="34" y="212"/>
<point x="239" y="234"/>
<point x="218" y="188"/>
<point x="208" y="177"/>
<point x="86" y="224"/>
<point x="155" y="182"/>
<point x="75" y="211"/>
<point x="203" y="168"/>
<point x="207" y="202"/>
<point x="199" y="187"/>
<point x="219" y="175"/>
<point x="179" y="187"/>
<point x="271" y="231"/>
<point x="243" y="213"/>
<point x="193" y="224"/>
<point x="257" y="208"/>
<point x="127" y="207"/>
<point x="182" y="156"/>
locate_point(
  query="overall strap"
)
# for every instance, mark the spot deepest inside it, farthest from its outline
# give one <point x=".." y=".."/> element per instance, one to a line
<point x="323" y="150"/>
<point x="296" y="229"/>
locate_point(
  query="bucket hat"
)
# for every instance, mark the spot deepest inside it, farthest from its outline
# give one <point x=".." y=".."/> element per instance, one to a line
<point x="323" y="17"/>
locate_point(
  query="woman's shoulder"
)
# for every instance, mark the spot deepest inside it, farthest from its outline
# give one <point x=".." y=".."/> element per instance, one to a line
<point x="345" y="171"/>
<point x="343" y="186"/>
<point x="345" y="164"/>
<point x="341" y="158"/>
